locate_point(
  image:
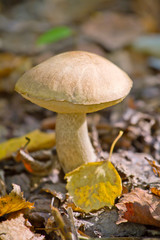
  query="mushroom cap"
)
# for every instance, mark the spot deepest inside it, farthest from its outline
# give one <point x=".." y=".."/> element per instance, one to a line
<point x="74" y="82"/>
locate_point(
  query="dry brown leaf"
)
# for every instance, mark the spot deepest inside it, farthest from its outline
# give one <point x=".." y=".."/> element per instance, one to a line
<point x="112" y="30"/>
<point x="139" y="206"/>
<point x="13" y="202"/>
<point x="135" y="168"/>
<point x="15" y="228"/>
<point x="35" y="166"/>
<point x="58" y="190"/>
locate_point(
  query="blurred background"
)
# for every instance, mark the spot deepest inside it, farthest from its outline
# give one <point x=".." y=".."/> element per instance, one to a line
<point x="127" y="32"/>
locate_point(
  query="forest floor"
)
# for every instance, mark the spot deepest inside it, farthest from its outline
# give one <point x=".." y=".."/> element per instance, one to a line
<point x="128" y="34"/>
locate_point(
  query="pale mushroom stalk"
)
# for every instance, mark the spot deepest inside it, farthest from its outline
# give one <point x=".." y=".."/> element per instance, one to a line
<point x="73" y="144"/>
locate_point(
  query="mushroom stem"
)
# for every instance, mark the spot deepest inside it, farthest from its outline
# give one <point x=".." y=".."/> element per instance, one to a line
<point x="73" y="144"/>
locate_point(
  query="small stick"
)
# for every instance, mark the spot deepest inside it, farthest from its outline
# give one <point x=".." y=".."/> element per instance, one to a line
<point x="73" y="228"/>
<point x="60" y="223"/>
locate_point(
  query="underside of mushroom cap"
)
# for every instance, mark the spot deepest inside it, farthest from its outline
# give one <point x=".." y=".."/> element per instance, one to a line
<point x="74" y="81"/>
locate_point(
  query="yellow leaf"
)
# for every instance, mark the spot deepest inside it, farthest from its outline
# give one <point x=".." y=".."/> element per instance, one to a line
<point x="94" y="185"/>
<point x="13" y="202"/>
<point x="38" y="140"/>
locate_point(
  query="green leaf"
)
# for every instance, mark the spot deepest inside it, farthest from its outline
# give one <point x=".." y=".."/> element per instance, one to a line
<point x="54" y="35"/>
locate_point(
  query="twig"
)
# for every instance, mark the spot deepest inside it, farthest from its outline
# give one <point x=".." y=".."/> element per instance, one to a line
<point x="73" y="228"/>
<point x="60" y="223"/>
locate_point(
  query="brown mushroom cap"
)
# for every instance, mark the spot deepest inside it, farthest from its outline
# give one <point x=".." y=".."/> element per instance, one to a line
<point x="74" y="82"/>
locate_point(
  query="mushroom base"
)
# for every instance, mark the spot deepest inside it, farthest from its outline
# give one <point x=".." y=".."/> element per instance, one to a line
<point x="72" y="141"/>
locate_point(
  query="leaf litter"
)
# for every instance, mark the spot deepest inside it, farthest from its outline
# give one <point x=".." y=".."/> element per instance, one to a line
<point x="133" y="205"/>
<point x="17" y="225"/>
<point x="13" y="202"/>
<point x="138" y="116"/>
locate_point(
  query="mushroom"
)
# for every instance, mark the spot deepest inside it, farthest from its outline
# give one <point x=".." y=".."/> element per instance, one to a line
<point x="73" y="84"/>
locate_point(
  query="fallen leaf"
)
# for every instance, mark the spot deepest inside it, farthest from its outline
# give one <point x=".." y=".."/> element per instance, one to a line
<point x="38" y="140"/>
<point x="139" y="206"/>
<point x="13" y="202"/>
<point x="112" y="30"/>
<point x="54" y="35"/>
<point x="155" y="191"/>
<point x="58" y="190"/>
<point x="22" y="179"/>
<point x="15" y="228"/>
<point x="94" y="185"/>
<point x="135" y="168"/>
<point x="38" y="167"/>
